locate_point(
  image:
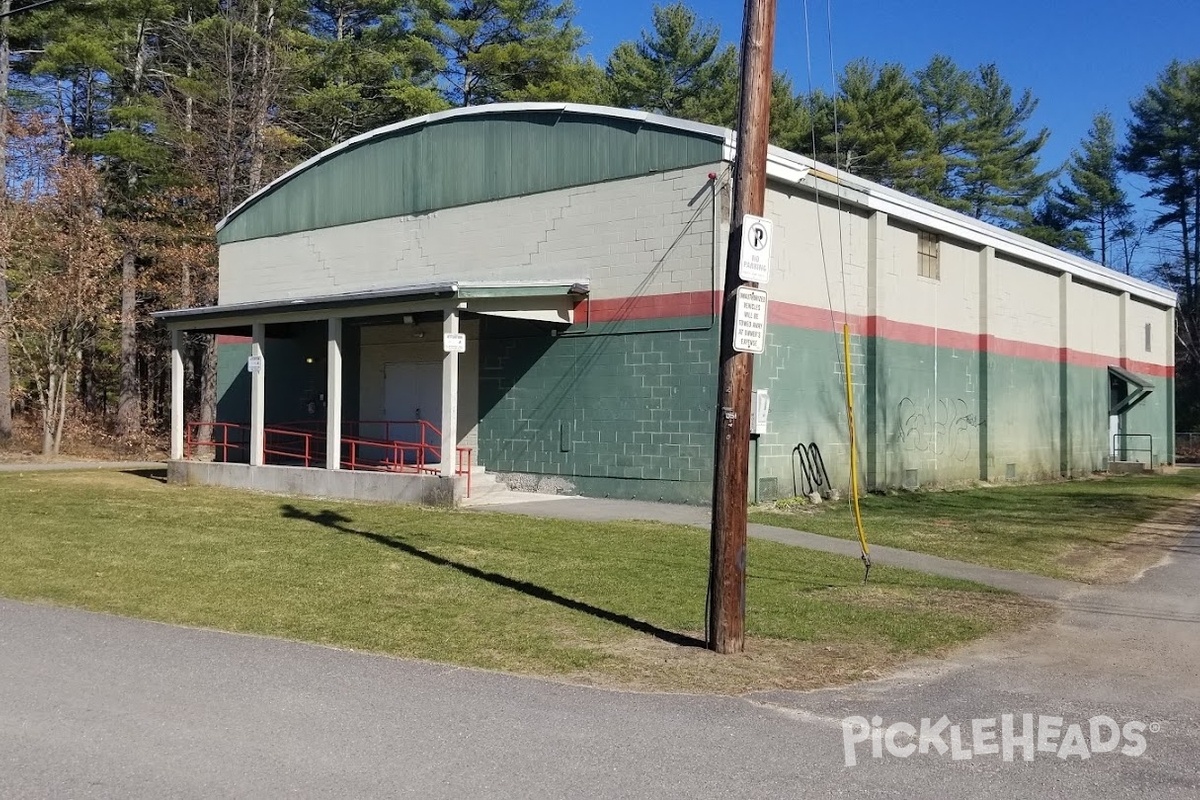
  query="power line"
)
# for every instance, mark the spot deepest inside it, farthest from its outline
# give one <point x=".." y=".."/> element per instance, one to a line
<point x="14" y="11"/>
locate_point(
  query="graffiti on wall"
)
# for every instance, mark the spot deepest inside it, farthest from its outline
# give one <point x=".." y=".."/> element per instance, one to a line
<point x="938" y="426"/>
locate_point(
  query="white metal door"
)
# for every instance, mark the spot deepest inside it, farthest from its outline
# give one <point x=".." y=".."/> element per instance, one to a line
<point x="413" y="391"/>
<point x="1114" y="443"/>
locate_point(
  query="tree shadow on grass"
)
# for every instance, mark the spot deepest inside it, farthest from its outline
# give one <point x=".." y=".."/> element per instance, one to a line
<point x="338" y="522"/>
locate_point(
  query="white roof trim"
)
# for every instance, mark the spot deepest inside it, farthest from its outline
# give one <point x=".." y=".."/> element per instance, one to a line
<point x="784" y="166"/>
<point x="791" y="168"/>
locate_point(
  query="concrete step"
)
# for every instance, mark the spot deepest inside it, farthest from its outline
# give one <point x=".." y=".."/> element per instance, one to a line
<point x="485" y="488"/>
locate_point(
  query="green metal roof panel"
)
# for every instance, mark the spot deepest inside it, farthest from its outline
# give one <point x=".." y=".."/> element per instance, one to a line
<point x="463" y="158"/>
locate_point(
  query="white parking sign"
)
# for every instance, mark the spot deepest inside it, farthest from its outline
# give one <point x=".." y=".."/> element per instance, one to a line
<point x="755" y="264"/>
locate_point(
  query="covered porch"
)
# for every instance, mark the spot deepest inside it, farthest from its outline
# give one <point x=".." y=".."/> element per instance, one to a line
<point x="370" y="395"/>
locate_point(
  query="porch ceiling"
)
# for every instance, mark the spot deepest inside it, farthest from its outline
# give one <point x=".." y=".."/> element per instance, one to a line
<point x="513" y="298"/>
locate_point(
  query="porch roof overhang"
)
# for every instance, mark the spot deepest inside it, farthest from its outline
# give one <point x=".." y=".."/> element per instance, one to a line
<point x="1140" y="389"/>
<point x="541" y="300"/>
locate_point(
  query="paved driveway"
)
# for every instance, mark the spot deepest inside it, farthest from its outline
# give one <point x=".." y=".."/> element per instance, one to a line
<point x="99" y="706"/>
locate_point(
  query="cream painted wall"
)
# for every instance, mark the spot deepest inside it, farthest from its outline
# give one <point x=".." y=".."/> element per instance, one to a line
<point x="1093" y="321"/>
<point x="1023" y="304"/>
<point x="1137" y="316"/>
<point x="951" y="302"/>
<point x="399" y="344"/>
<point x="811" y="245"/>
<point x="647" y="235"/>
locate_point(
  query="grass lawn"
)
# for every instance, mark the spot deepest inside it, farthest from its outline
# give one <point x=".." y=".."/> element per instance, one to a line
<point x="1085" y="530"/>
<point x="613" y="604"/>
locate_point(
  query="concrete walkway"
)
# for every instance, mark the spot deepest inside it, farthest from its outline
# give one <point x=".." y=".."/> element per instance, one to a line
<point x="586" y="509"/>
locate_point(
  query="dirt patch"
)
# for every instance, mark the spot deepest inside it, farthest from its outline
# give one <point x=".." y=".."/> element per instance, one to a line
<point x="644" y="664"/>
<point x="1140" y="549"/>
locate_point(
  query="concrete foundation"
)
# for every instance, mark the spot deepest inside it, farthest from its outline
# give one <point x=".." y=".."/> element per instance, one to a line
<point x="1128" y="467"/>
<point x="386" y="487"/>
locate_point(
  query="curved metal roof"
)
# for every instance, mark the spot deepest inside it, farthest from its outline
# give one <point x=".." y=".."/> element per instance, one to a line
<point x="783" y="167"/>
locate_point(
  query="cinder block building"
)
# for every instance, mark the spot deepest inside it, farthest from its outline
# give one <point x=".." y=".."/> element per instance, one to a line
<point x="533" y="290"/>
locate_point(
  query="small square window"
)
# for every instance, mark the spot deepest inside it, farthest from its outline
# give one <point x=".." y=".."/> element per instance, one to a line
<point x="1149" y="346"/>
<point x="927" y="256"/>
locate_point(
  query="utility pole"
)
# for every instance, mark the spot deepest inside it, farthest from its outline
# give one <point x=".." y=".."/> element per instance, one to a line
<point x="727" y="565"/>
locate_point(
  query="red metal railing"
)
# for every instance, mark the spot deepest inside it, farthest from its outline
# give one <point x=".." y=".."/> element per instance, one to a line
<point x="192" y="440"/>
<point x="304" y="442"/>
<point x="289" y="444"/>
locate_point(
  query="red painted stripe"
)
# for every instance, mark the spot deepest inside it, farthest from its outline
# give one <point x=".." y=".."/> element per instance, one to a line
<point x="227" y="338"/>
<point x="651" y="306"/>
<point x="817" y="319"/>
<point x="799" y="316"/>
<point x="1017" y="349"/>
<point x="1157" y="370"/>
<point x="794" y="315"/>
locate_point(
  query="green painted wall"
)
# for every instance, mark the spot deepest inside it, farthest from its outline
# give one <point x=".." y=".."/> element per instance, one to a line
<point x="1151" y="416"/>
<point x="295" y="389"/>
<point x="464" y="160"/>
<point x="622" y="411"/>
<point x="931" y="416"/>
<point x="626" y="410"/>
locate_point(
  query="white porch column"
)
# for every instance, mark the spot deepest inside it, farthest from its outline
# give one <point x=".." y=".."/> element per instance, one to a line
<point x="176" y="394"/>
<point x="333" y="396"/>
<point x="258" y="386"/>
<point x="450" y="397"/>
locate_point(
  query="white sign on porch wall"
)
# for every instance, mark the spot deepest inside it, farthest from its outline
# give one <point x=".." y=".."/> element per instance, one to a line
<point x="254" y="364"/>
<point x="454" y="342"/>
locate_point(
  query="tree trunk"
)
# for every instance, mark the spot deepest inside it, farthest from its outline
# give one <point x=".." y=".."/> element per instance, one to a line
<point x="128" y="407"/>
<point x="62" y="413"/>
<point x="262" y="106"/>
<point x="5" y="361"/>
<point x="6" y="420"/>
<point x="48" y="415"/>
<point x="208" y="387"/>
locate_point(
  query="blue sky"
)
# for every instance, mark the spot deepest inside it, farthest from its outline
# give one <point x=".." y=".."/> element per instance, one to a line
<point x="1078" y="56"/>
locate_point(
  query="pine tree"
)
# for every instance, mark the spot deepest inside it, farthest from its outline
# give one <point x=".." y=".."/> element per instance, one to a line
<point x="1001" y="180"/>
<point x="979" y="128"/>
<point x="104" y="57"/>
<point x="498" y="50"/>
<point x="1163" y="147"/>
<point x="676" y="68"/>
<point x="580" y="80"/>
<point x="883" y="134"/>
<point x="1093" y="198"/>
<point x="359" y="67"/>
<point x="1050" y="222"/>
<point x="944" y="90"/>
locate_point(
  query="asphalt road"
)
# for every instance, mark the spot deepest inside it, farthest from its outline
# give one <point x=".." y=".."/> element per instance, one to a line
<point x="99" y="706"/>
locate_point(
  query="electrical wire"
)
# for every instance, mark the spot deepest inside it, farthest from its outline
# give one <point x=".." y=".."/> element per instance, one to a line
<point x="842" y="354"/>
<point x="14" y="11"/>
